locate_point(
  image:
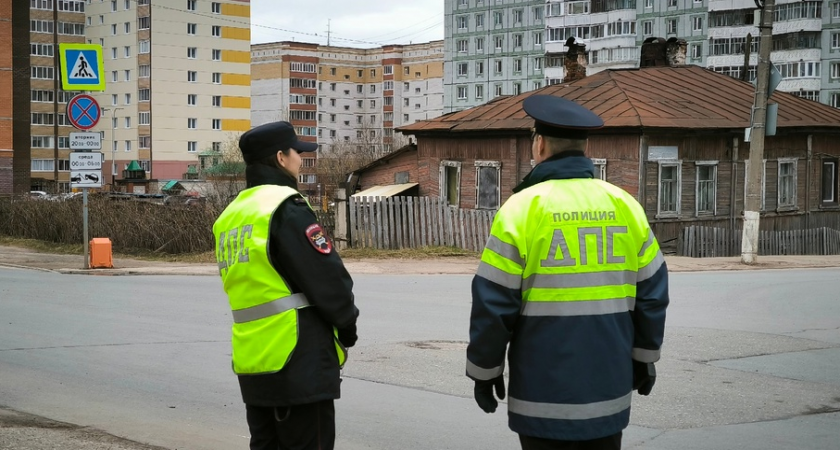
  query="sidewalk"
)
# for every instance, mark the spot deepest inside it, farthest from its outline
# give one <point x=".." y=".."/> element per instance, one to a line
<point x="73" y="264"/>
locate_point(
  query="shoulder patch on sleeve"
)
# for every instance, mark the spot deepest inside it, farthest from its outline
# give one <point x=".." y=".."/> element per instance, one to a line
<point x="318" y="238"/>
<point x="299" y="200"/>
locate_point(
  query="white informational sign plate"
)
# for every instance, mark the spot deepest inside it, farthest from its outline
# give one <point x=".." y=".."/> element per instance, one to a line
<point x="85" y="141"/>
<point x="86" y="170"/>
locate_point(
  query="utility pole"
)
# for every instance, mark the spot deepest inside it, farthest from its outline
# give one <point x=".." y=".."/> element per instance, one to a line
<point x="752" y="202"/>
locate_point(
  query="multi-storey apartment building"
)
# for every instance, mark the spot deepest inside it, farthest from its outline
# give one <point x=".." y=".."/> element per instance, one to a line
<point x="493" y="47"/>
<point x="6" y="101"/>
<point x="341" y="96"/>
<point x="178" y="79"/>
<point x="49" y="128"/>
<point x="806" y="38"/>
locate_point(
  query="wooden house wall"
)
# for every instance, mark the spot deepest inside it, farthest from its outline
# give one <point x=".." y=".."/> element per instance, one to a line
<point x="622" y="155"/>
<point x="385" y="173"/>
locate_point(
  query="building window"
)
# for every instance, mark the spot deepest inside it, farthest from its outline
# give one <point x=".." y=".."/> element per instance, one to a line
<point x="127" y="99"/>
<point x="216" y="31"/>
<point x="669" y="188"/>
<point x="190" y="5"/>
<point x="462" y="92"/>
<point x="498" y="42"/>
<point x="697" y="50"/>
<point x="479" y="44"/>
<point x="706" y="188"/>
<point x="517" y="65"/>
<point x="192" y="123"/>
<point x="144" y="23"/>
<point x="479" y="68"/>
<point x="518" y="14"/>
<point x="487" y="192"/>
<point x="462" y="46"/>
<point x="144" y="141"/>
<point x="192" y="52"/>
<point x="538" y="38"/>
<point x="828" y="187"/>
<point x="192" y="76"/>
<point x="127" y="51"/>
<point x="498" y="89"/>
<point x="497" y="18"/>
<point x="217" y="124"/>
<point x="192" y="146"/>
<point x="450" y="182"/>
<point x="697" y="23"/>
<point x="517" y="40"/>
<point x="192" y="28"/>
<point x="479" y="91"/>
<point x="517" y="88"/>
<point x="462" y="22"/>
<point x="600" y="168"/>
<point x="127" y="27"/>
<point x="671" y="26"/>
<point x="217" y="78"/>
<point x="127" y="146"/>
<point x="217" y="101"/>
<point x="498" y="66"/>
<point x="462" y="69"/>
<point x="217" y="55"/>
<point x="216" y="8"/>
<point x="144" y="118"/>
<point x="192" y="99"/>
<point x="787" y="183"/>
<point x="144" y="46"/>
<point x="647" y="28"/>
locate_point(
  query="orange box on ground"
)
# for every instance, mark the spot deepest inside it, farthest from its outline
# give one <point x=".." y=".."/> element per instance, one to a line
<point x="100" y="253"/>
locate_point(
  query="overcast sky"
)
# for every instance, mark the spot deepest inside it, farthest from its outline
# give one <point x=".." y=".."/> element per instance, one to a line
<point x="353" y="23"/>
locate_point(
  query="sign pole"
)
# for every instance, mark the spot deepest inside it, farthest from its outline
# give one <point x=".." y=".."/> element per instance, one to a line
<point x="85" y="226"/>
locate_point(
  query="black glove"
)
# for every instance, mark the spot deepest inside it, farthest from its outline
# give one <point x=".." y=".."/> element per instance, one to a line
<point x="644" y="377"/>
<point x="347" y="336"/>
<point x="484" y="393"/>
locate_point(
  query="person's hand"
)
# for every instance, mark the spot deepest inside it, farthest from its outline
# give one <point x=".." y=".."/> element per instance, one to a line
<point x="484" y="393"/>
<point x="347" y="336"/>
<point x="644" y="377"/>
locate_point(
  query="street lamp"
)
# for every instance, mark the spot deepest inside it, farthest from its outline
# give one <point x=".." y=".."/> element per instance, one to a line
<point x="113" y="147"/>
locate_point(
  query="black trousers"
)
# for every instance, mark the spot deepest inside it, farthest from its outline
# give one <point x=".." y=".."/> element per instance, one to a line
<point x="299" y="427"/>
<point x="605" y="443"/>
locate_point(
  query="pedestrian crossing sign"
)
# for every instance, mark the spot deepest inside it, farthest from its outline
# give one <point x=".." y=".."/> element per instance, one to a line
<point x="81" y="67"/>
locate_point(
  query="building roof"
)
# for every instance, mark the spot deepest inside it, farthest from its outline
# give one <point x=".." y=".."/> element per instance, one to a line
<point x="685" y="97"/>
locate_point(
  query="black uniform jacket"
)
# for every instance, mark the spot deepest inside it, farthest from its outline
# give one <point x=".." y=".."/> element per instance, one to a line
<point x="312" y="373"/>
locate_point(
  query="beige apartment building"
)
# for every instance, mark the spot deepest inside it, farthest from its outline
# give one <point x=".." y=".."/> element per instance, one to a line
<point x="178" y="80"/>
<point x="345" y="97"/>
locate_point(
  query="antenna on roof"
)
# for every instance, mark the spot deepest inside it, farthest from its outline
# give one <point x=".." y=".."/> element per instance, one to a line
<point x="328" y="32"/>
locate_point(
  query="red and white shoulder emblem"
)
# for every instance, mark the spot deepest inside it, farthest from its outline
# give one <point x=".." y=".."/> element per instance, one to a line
<point x="318" y="238"/>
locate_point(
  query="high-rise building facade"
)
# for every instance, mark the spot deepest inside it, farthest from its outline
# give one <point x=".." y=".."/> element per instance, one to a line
<point x="493" y="48"/>
<point x="6" y="101"/>
<point x="806" y="40"/>
<point x="178" y="80"/>
<point x="343" y="97"/>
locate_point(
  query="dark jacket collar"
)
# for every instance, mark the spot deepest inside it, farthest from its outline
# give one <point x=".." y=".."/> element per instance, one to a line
<point x="562" y="166"/>
<point x="260" y="174"/>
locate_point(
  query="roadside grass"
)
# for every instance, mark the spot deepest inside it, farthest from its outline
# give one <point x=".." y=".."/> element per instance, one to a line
<point x="209" y="257"/>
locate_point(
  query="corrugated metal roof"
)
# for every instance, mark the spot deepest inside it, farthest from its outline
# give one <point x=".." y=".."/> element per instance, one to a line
<point x="385" y="191"/>
<point x="686" y="97"/>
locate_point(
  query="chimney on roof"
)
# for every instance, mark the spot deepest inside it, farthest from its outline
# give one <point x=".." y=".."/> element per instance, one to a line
<point x="657" y="52"/>
<point x="575" y="61"/>
<point x="675" y="51"/>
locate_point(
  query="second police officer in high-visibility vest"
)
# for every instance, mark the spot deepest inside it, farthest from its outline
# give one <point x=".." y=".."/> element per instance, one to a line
<point x="290" y="295"/>
<point x="572" y="278"/>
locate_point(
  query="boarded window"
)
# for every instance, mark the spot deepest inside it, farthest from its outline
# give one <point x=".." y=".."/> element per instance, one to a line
<point x="829" y="181"/>
<point x="487" y="184"/>
<point x="450" y="182"/>
<point x="401" y="178"/>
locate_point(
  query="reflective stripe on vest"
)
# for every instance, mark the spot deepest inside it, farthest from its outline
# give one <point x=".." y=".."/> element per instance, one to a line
<point x="269" y="309"/>
<point x="564" y="411"/>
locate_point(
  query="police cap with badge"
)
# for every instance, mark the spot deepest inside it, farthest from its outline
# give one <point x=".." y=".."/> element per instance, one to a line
<point x="557" y="117"/>
<point x="266" y="140"/>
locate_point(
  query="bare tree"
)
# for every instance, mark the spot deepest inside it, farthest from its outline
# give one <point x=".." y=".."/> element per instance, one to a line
<point x="224" y="169"/>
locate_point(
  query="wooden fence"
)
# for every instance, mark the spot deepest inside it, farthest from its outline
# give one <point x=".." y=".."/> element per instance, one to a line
<point x="413" y="222"/>
<point x="700" y="242"/>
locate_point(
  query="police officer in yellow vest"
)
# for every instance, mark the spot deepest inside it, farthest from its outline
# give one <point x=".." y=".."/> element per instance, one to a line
<point x="572" y="279"/>
<point x="291" y="298"/>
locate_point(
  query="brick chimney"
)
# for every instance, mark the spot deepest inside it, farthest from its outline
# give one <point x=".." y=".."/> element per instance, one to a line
<point x="675" y="51"/>
<point x="657" y="52"/>
<point x="575" y="61"/>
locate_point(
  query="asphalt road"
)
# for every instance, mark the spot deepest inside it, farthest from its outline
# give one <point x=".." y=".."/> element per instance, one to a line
<point x="751" y="361"/>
